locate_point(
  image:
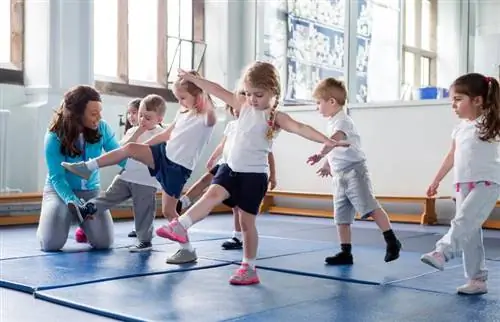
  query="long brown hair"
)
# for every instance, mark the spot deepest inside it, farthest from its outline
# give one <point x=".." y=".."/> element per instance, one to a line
<point x="477" y="85"/>
<point x="67" y="122"/>
<point x="265" y="76"/>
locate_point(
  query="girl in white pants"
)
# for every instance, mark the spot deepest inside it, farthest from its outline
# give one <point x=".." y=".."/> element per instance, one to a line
<point x="475" y="160"/>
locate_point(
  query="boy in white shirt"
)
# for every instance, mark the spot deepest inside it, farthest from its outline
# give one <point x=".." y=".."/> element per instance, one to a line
<point x="353" y="191"/>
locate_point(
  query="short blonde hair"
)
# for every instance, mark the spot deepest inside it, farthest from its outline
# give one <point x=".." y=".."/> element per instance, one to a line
<point x="331" y="88"/>
<point x="154" y="103"/>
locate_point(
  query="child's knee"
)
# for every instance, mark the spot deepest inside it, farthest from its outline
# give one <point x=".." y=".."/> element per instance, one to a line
<point x="247" y="221"/>
<point x="215" y="193"/>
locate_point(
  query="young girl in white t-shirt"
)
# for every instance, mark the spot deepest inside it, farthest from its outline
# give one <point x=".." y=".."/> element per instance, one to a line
<point x="475" y="160"/>
<point x="243" y="180"/>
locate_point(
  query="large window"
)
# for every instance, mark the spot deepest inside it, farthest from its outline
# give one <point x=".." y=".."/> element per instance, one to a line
<point x="139" y="45"/>
<point x="420" y="45"/>
<point x="385" y="50"/>
<point x="11" y="41"/>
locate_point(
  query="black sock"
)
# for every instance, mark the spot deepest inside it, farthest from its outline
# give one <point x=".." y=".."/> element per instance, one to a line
<point x="390" y="237"/>
<point x="346" y="248"/>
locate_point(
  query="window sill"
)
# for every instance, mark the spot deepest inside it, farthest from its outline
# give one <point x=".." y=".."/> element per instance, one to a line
<point x="10" y="75"/>
<point x="117" y="87"/>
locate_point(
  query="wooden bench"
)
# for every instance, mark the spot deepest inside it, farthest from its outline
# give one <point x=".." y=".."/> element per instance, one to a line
<point x="20" y="218"/>
<point x="428" y="215"/>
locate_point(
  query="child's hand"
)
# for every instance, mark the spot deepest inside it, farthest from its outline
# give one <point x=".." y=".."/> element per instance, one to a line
<point x="313" y="159"/>
<point x="272" y="182"/>
<point x="324" y="171"/>
<point x="432" y="190"/>
<point x="181" y="73"/>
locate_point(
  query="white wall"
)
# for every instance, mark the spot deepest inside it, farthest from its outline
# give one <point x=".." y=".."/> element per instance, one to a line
<point x="405" y="145"/>
<point x="59" y="54"/>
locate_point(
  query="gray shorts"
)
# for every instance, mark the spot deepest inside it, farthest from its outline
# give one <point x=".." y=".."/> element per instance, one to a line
<point x="353" y="194"/>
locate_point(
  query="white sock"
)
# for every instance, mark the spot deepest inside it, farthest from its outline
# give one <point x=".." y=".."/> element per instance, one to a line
<point x="187" y="246"/>
<point x="249" y="261"/>
<point x="185" y="201"/>
<point x="185" y="221"/>
<point x="237" y="235"/>
<point x="92" y="164"/>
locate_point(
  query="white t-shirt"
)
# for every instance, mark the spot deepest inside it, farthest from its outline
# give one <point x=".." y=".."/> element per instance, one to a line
<point x="250" y="148"/>
<point x="342" y="157"/>
<point x="135" y="171"/>
<point x="188" y="138"/>
<point x="474" y="160"/>
<point x="229" y="132"/>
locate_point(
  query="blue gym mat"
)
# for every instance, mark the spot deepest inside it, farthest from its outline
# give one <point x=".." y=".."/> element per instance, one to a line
<point x="19" y="242"/>
<point x="19" y="307"/>
<point x="268" y="247"/>
<point x="369" y="266"/>
<point x="356" y="303"/>
<point x="44" y="272"/>
<point x="448" y="280"/>
<point x="205" y="295"/>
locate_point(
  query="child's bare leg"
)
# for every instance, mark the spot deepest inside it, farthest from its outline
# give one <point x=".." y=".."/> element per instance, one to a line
<point x="194" y="192"/>
<point x="177" y="230"/>
<point x="137" y="151"/>
<point x="247" y="274"/>
<point x="236" y="241"/>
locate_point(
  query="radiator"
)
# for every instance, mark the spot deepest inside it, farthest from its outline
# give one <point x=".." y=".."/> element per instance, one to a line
<point x="4" y="122"/>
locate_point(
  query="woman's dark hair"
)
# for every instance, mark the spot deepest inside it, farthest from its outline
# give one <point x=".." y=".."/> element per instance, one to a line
<point x="477" y="85"/>
<point x="67" y="122"/>
<point x="135" y="103"/>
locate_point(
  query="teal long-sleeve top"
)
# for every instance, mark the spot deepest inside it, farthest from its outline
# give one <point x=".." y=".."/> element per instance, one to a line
<point x="63" y="181"/>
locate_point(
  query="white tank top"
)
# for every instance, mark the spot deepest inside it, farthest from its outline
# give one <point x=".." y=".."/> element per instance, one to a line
<point x="250" y="146"/>
<point x="188" y="138"/>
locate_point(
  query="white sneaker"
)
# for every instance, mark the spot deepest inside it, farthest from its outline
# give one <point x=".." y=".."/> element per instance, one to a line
<point x="435" y="259"/>
<point x="473" y="287"/>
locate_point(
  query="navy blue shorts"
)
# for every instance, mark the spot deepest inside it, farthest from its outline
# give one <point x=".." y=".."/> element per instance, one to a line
<point x="213" y="171"/>
<point x="246" y="190"/>
<point x="170" y="175"/>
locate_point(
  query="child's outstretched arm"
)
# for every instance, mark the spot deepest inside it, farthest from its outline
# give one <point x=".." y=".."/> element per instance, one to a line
<point x="288" y="124"/>
<point x="163" y="136"/>
<point x="446" y="166"/>
<point x="216" y="154"/>
<point x="211" y="88"/>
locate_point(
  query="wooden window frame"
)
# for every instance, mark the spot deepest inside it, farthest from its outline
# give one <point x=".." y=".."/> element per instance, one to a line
<point x="417" y="50"/>
<point x="12" y="72"/>
<point x="121" y="85"/>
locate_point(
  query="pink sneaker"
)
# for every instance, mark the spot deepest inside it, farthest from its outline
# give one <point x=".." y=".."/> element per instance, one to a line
<point x="245" y="275"/>
<point x="173" y="231"/>
<point x="80" y="235"/>
<point x="435" y="259"/>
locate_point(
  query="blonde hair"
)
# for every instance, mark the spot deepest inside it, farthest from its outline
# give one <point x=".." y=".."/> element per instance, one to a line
<point x="154" y="103"/>
<point x="265" y="76"/>
<point x="331" y="88"/>
<point x="191" y="88"/>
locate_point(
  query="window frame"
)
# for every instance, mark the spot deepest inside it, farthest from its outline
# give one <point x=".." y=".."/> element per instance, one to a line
<point x="13" y="72"/>
<point x="417" y="49"/>
<point x="121" y="85"/>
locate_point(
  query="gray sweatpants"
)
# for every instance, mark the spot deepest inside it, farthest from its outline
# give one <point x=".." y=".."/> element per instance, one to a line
<point x="143" y="201"/>
<point x="55" y="222"/>
<point x="474" y="205"/>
